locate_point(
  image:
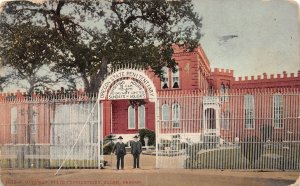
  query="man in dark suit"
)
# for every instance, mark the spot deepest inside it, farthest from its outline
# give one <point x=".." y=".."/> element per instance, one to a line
<point x="136" y="149"/>
<point x="120" y="151"/>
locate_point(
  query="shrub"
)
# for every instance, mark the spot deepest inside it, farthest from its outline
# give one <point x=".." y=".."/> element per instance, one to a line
<point x="108" y="144"/>
<point x="107" y="148"/>
<point x="150" y="134"/>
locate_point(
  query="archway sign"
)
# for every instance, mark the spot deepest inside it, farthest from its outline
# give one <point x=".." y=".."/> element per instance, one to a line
<point x="125" y="84"/>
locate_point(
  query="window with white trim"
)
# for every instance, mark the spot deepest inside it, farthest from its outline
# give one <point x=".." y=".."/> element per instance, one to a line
<point x="165" y="115"/>
<point x="175" y="78"/>
<point x="175" y="115"/>
<point x="249" y="111"/>
<point x="225" y="120"/>
<point x="141" y="117"/>
<point x="224" y="90"/>
<point x="165" y="78"/>
<point x="278" y="110"/>
<point x="131" y="117"/>
<point x="13" y="120"/>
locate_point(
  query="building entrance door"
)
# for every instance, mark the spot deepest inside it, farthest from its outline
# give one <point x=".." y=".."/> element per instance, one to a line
<point x="210" y="115"/>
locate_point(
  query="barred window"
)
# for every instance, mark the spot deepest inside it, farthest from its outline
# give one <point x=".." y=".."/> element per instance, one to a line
<point x="165" y="115"/>
<point x="175" y="115"/>
<point x="278" y="111"/>
<point x="249" y="111"/>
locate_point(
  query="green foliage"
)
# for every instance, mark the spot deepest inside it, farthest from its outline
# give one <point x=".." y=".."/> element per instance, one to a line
<point x="84" y="37"/>
<point x="108" y="144"/>
<point x="230" y="158"/>
<point x="150" y="134"/>
<point x="107" y="148"/>
<point x="28" y="50"/>
<point x="251" y="148"/>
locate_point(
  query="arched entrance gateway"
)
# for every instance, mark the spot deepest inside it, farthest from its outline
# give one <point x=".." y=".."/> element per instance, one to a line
<point x="177" y="118"/>
<point x="124" y="84"/>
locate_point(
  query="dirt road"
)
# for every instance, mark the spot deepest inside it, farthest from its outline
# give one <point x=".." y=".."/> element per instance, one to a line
<point x="146" y="176"/>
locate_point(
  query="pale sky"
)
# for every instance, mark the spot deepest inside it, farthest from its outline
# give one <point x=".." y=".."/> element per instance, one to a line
<point x="265" y="35"/>
<point x="251" y="36"/>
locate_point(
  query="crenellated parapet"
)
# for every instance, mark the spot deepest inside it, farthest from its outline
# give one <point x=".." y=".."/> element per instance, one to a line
<point x="222" y="72"/>
<point x="266" y="77"/>
<point x="287" y="80"/>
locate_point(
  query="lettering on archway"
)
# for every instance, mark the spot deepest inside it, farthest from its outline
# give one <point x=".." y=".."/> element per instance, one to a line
<point x="127" y="84"/>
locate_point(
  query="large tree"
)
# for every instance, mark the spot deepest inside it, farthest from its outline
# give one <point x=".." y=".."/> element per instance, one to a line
<point x="93" y="34"/>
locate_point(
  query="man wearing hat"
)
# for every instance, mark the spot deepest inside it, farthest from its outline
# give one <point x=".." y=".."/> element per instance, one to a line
<point x="136" y="149"/>
<point x="120" y="152"/>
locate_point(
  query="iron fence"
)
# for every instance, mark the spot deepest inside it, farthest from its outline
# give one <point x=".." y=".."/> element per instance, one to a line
<point x="238" y="130"/>
<point x="260" y="130"/>
<point x="43" y="132"/>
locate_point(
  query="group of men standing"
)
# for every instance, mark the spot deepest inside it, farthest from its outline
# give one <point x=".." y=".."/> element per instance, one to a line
<point x="120" y="152"/>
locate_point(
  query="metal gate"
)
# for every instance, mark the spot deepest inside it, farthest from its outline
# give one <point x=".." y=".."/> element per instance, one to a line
<point x="240" y="130"/>
<point x="58" y="130"/>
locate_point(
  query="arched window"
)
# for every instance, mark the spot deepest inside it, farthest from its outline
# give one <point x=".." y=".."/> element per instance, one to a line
<point x="165" y="115"/>
<point x="131" y="117"/>
<point x="222" y="89"/>
<point x="175" y="78"/>
<point x="226" y="89"/>
<point x="210" y="90"/>
<point x="165" y="78"/>
<point x="175" y="115"/>
<point x="141" y="116"/>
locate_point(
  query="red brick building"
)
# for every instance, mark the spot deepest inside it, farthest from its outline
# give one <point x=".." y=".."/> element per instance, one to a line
<point x="195" y="99"/>
<point x="229" y="107"/>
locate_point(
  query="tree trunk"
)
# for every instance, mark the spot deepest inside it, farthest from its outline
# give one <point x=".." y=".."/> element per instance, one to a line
<point x="93" y="85"/>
